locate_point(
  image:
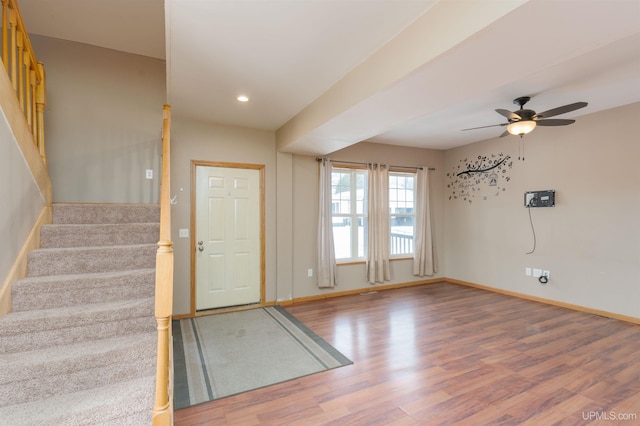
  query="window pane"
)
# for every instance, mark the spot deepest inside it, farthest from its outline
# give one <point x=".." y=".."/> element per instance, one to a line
<point x="400" y="193"/>
<point x="401" y="182"/>
<point x="349" y="206"/>
<point x="402" y="229"/>
<point x="361" y="193"/>
<point x="362" y="237"/>
<point x="342" y="237"/>
<point x="410" y="181"/>
<point x="341" y="192"/>
<point x="402" y="213"/>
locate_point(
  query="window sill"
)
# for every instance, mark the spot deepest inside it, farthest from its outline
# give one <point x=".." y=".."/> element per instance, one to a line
<point x="362" y="262"/>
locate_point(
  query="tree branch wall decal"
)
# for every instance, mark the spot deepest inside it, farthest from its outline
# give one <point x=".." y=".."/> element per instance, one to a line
<point x="483" y="177"/>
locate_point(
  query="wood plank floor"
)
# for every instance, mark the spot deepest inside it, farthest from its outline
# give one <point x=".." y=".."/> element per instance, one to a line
<point x="449" y="354"/>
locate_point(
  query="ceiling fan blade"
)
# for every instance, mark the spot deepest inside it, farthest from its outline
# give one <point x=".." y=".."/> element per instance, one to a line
<point x="554" y="122"/>
<point x="510" y="115"/>
<point x="504" y="134"/>
<point x="484" y="127"/>
<point x="561" y="110"/>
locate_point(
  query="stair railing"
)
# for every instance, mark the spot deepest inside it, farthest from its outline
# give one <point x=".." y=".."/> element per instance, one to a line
<point x="26" y="73"/>
<point x="163" y="408"/>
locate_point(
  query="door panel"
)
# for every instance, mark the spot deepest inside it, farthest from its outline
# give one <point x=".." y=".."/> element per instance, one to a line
<point x="228" y="250"/>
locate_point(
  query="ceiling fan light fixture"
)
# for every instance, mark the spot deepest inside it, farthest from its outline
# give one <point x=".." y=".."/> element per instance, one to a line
<point x="521" y="127"/>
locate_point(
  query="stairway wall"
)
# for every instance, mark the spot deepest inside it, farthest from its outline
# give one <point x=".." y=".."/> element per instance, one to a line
<point x="25" y="190"/>
<point x="102" y="122"/>
<point x="19" y="268"/>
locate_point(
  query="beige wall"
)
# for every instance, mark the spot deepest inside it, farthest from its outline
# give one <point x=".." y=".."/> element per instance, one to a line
<point x="21" y="198"/>
<point x="103" y="128"/>
<point x="192" y="140"/>
<point x="590" y="242"/>
<point x="291" y="192"/>
<point x="103" y="122"/>
<point x="305" y="216"/>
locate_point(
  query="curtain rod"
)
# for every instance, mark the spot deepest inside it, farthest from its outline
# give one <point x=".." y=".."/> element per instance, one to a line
<point x="364" y="164"/>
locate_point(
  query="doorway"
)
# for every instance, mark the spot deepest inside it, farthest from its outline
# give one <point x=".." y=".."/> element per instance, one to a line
<point x="228" y="235"/>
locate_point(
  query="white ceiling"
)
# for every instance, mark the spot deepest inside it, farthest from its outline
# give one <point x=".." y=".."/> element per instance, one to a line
<point x="134" y="26"/>
<point x="327" y="74"/>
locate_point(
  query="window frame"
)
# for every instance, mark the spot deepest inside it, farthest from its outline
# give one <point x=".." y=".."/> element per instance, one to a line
<point x="413" y="175"/>
<point x="354" y="217"/>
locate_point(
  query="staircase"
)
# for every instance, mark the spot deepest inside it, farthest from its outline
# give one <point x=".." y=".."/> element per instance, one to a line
<point x="80" y="345"/>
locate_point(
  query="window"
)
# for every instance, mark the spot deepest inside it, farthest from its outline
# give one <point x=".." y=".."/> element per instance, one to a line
<point x="349" y="212"/>
<point x="402" y="215"/>
<point x="349" y="208"/>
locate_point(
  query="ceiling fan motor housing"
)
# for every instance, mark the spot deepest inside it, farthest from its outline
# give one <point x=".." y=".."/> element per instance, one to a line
<point x="525" y="114"/>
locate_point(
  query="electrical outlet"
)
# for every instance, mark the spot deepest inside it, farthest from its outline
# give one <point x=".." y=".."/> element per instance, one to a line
<point x="149" y="174"/>
<point x="309" y="272"/>
<point x="184" y="233"/>
<point x="546" y="274"/>
<point x="537" y="273"/>
<point x="527" y="271"/>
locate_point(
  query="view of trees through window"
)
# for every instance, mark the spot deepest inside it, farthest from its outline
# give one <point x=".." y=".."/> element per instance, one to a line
<point x="349" y="211"/>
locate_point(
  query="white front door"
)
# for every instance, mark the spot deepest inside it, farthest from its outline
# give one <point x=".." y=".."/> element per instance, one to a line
<point x="228" y="236"/>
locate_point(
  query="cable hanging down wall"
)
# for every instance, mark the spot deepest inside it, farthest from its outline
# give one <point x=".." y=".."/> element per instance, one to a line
<point x="359" y="163"/>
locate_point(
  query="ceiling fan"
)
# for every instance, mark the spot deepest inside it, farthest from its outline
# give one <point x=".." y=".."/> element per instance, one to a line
<point x="523" y="121"/>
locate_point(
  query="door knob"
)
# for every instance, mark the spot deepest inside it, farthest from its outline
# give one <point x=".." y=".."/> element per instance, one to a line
<point x="201" y="248"/>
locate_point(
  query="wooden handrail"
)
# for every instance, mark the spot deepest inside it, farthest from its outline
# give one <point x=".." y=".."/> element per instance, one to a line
<point x="27" y="77"/>
<point x="163" y="408"/>
<point x="26" y="73"/>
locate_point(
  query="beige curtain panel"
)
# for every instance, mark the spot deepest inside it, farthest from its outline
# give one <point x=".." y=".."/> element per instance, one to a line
<point x="378" y="224"/>
<point x="326" y="251"/>
<point x="424" y="262"/>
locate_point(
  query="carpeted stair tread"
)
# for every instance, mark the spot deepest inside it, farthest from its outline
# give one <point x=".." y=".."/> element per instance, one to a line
<point x="56" y="291"/>
<point x="76" y="260"/>
<point x="27" y="365"/>
<point x="91" y="235"/>
<point x="35" y="329"/>
<point x="28" y="376"/>
<point x="118" y="404"/>
<point x="79" y="347"/>
<point x="83" y="213"/>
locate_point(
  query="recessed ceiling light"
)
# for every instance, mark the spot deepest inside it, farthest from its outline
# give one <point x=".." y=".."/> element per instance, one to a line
<point x="242" y="98"/>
